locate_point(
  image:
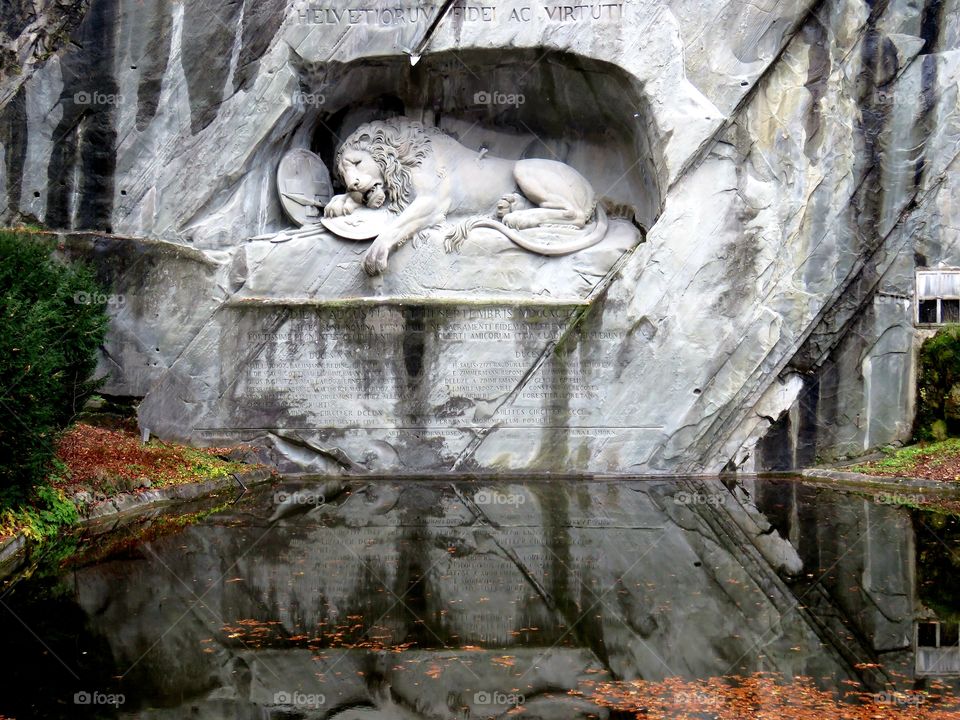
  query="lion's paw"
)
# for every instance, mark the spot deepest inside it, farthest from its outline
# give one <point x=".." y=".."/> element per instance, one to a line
<point x="507" y="204"/>
<point x="340" y="205"/>
<point x="375" y="261"/>
<point x="519" y="221"/>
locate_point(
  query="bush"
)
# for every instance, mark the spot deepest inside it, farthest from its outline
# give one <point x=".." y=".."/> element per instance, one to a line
<point x="48" y="342"/>
<point x="938" y="386"/>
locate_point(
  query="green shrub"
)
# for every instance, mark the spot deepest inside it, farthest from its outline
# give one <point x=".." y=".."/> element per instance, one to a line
<point x="44" y="514"/>
<point x="51" y="324"/>
<point x="938" y="386"/>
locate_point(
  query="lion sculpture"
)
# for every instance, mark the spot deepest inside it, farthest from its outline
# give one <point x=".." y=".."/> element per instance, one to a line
<point x="423" y="176"/>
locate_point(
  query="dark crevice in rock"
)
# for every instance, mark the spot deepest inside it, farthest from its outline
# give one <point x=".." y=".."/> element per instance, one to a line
<point x="13" y="137"/>
<point x="85" y="138"/>
<point x="261" y="20"/>
<point x="926" y="121"/>
<point x="153" y="62"/>
<point x="209" y="31"/>
<point x="930" y="24"/>
<point x="818" y="76"/>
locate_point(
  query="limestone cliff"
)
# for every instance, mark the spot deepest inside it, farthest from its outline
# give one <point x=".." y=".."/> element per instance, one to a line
<point x="790" y="163"/>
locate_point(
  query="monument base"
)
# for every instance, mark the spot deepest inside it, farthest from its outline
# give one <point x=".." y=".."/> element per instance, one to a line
<point x="365" y="387"/>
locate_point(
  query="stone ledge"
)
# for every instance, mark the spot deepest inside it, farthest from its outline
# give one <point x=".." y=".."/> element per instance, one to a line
<point x="882" y="481"/>
<point x="128" y="502"/>
<point x="401" y="300"/>
<point x="12" y="555"/>
<point x="121" y="508"/>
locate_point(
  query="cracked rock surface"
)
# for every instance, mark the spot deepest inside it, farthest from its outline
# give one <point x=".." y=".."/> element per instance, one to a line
<point x="780" y="171"/>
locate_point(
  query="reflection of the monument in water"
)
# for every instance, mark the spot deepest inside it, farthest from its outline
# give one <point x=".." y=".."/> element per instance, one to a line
<point x="460" y="600"/>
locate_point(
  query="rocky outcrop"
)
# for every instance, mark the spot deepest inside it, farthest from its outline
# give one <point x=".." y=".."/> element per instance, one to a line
<point x="790" y="167"/>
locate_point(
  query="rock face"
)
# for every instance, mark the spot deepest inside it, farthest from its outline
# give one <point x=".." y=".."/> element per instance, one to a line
<point x="788" y="167"/>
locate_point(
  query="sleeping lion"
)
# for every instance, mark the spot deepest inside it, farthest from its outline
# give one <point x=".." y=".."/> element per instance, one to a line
<point x="423" y="176"/>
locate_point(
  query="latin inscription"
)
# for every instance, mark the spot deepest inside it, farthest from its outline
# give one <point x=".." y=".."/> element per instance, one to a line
<point x="316" y="14"/>
<point x="444" y="368"/>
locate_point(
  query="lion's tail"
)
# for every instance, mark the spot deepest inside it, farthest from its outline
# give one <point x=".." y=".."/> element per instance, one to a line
<point x="459" y="233"/>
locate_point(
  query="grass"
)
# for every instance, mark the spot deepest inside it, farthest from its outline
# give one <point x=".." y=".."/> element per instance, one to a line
<point x="41" y="517"/>
<point x="933" y="460"/>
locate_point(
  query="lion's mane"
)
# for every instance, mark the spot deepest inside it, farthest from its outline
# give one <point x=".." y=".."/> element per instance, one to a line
<point x="397" y="145"/>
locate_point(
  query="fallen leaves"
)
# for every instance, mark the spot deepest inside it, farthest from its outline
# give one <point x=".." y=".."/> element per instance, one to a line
<point x="351" y="635"/>
<point x="98" y="457"/>
<point x="763" y="696"/>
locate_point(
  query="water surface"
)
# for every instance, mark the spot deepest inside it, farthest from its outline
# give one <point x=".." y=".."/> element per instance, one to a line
<point x="472" y="599"/>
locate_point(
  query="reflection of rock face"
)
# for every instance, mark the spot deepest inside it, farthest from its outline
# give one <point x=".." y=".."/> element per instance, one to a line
<point x="867" y="552"/>
<point x="528" y="589"/>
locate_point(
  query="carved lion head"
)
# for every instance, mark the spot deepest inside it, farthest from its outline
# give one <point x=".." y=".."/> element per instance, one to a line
<point x="396" y="146"/>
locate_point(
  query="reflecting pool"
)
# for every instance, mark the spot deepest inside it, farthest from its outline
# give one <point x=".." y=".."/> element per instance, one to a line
<point x="586" y="598"/>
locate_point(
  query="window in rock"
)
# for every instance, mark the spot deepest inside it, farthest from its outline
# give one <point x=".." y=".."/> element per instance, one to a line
<point x="938" y="296"/>
<point x="938" y="648"/>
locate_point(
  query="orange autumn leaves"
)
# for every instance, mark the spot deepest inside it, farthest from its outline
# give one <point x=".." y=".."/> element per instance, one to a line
<point x="764" y="696"/>
<point x="761" y="696"/>
<point x="94" y="453"/>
